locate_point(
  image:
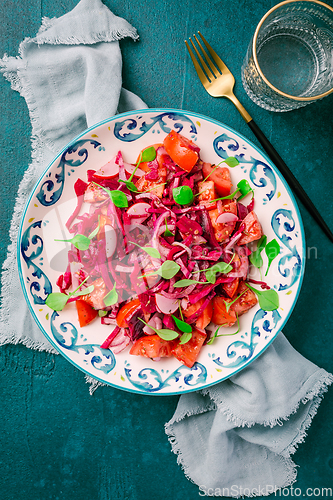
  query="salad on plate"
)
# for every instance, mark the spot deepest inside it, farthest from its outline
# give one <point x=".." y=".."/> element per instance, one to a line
<point x="160" y="252"/>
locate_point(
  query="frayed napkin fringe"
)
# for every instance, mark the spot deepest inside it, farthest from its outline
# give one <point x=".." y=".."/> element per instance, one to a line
<point x="316" y="393"/>
<point x="290" y="466"/>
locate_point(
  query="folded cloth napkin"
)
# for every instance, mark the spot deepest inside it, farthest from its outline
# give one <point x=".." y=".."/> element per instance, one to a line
<point x="233" y="437"/>
<point x="70" y="77"/>
<point x="236" y="438"/>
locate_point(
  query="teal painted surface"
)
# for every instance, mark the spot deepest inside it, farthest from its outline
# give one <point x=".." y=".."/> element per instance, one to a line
<point x="57" y="441"/>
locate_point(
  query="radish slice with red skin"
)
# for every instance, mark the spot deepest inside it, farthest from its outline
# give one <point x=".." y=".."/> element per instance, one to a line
<point x="110" y="240"/>
<point x="130" y="169"/>
<point x="226" y="217"/>
<point x="109" y="170"/>
<point x="165" y="305"/>
<point x="139" y="212"/>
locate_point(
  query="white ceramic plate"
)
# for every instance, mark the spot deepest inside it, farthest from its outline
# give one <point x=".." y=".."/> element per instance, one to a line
<point x="53" y="199"/>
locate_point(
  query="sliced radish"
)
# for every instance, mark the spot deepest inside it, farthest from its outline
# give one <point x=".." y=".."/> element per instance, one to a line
<point x="226" y="217"/>
<point x="139" y="212"/>
<point x="110" y="240"/>
<point x="109" y="170"/>
<point x="130" y="169"/>
<point x="165" y="305"/>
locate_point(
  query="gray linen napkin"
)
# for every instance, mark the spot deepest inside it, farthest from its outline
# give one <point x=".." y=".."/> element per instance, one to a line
<point x="70" y="77"/>
<point x="236" y="438"/>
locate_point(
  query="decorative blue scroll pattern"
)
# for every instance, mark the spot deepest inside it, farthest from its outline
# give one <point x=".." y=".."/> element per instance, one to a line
<point x="241" y="351"/>
<point x="31" y="251"/>
<point x="52" y="188"/>
<point x="261" y="174"/>
<point x="129" y="130"/>
<point x="151" y="380"/>
<point x="66" y="335"/>
<point x="290" y="263"/>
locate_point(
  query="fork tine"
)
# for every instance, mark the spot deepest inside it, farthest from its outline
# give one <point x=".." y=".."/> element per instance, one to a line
<point x="203" y="78"/>
<point x="216" y="58"/>
<point x="214" y="69"/>
<point x="210" y="75"/>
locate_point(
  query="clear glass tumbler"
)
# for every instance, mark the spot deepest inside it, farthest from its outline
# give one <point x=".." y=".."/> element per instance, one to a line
<point x="289" y="62"/>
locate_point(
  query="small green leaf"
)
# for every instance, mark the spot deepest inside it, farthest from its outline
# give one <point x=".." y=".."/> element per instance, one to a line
<point x="153" y="252"/>
<point x="211" y="276"/>
<point x="95" y="231"/>
<point x="166" y="334"/>
<point x="244" y="188"/>
<point x="102" y="313"/>
<point x="186" y="282"/>
<point x="231" y="161"/>
<point x="183" y="195"/>
<point x="80" y="241"/>
<point x="183" y="327"/>
<point x="118" y="198"/>
<point x="211" y="340"/>
<point x="268" y="299"/>
<point x="168" y="269"/>
<point x="255" y="257"/>
<point x="185" y="338"/>
<point x="57" y="301"/>
<point x="111" y="298"/>
<point x="130" y="185"/>
<point x="85" y="291"/>
<point x="148" y="154"/>
<point x="272" y="250"/>
<point x="229" y="304"/>
<point x="167" y="232"/>
<point x="222" y="267"/>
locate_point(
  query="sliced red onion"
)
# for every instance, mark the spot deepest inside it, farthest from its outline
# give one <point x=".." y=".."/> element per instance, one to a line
<point x="226" y="217"/>
<point x="124" y="269"/>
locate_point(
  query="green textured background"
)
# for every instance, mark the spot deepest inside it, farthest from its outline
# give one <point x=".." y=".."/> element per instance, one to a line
<point x="57" y="441"/>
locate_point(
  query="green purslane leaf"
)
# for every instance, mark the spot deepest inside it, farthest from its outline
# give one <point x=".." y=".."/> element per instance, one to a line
<point x="168" y="269"/>
<point x="272" y="250"/>
<point x="268" y="299"/>
<point x="163" y="333"/>
<point x="130" y="186"/>
<point x="167" y="232"/>
<point x="220" y="267"/>
<point x="111" y="298"/>
<point x="153" y="252"/>
<point x="229" y="304"/>
<point x="183" y="195"/>
<point x="255" y="257"/>
<point x="80" y="241"/>
<point x="244" y="188"/>
<point x="186" y="282"/>
<point x="148" y="154"/>
<point x="231" y="161"/>
<point x="58" y="300"/>
<point x="118" y="198"/>
<point x="95" y="231"/>
<point x="102" y="313"/>
<point x="182" y="325"/>
<point x="185" y="338"/>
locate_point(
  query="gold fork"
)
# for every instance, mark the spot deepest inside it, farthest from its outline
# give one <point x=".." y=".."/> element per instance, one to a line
<point x="219" y="82"/>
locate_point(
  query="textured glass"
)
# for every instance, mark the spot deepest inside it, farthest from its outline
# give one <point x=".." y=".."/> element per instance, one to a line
<point x="294" y="49"/>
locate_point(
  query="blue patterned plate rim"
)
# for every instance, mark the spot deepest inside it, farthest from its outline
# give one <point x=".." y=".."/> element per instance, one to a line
<point x="219" y="124"/>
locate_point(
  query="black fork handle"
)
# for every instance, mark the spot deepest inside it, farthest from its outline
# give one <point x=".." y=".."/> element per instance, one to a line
<point x="290" y="178"/>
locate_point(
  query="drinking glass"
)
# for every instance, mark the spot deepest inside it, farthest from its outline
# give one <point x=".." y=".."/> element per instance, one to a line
<point x="289" y="62"/>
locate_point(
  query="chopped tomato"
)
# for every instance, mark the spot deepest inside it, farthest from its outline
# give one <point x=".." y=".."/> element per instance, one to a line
<point x="181" y="150"/>
<point x="252" y="231"/>
<point x="85" y="312"/>
<point x="103" y="221"/>
<point x="220" y="177"/>
<point x="188" y="353"/>
<point x="245" y="301"/>
<point x="95" y="298"/>
<point x="154" y="186"/>
<point x="152" y="346"/>
<point x="144" y="164"/>
<point x="205" y="317"/>
<point x="223" y="231"/>
<point x="94" y="194"/>
<point x="231" y="288"/>
<point x="125" y="311"/>
<point x="220" y="315"/>
<point x="192" y="308"/>
<point x="207" y="192"/>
